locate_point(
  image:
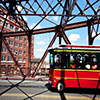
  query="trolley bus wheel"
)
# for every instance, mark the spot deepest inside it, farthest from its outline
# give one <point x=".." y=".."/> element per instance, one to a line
<point x="60" y="87"/>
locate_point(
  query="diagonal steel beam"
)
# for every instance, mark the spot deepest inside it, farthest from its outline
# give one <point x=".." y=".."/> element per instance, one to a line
<point x="68" y="9"/>
<point x="46" y="15"/>
<point x="69" y="12"/>
<point x="44" y="56"/>
<point x="65" y="38"/>
<point x="0" y="50"/>
<point x="91" y="7"/>
<point x="81" y="12"/>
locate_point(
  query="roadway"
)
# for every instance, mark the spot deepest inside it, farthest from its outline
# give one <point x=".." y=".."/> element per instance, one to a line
<point x="39" y="90"/>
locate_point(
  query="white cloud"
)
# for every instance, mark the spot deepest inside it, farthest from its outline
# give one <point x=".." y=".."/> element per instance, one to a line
<point x="55" y="18"/>
<point x="40" y="42"/>
<point x="46" y="17"/>
<point x="40" y="50"/>
<point x="37" y="27"/>
<point x="24" y="18"/>
<point x="74" y="37"/>
<point x="19" y="8"/>
<point x="38" y="38"/>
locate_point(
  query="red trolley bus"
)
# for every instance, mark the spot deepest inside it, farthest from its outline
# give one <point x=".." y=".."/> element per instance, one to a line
<point x="74" y="67"/>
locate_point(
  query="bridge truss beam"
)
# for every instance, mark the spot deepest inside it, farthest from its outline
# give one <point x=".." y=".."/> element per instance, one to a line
<point x="66" y="10"/>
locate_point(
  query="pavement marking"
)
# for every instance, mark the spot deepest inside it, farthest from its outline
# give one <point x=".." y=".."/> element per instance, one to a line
<point x="49" y="96"/>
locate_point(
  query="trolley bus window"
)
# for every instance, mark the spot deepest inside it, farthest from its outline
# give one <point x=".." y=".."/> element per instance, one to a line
<point x="57" y="61"/>
<point x="77" y="61"/>
<point x="74" y="60"/>
<point x="51" y="59"/>
<point x="98" y="60"/>
<point x="94" y="62"/>
<point x="80" y="60"/>
<point x="65" y="61"/>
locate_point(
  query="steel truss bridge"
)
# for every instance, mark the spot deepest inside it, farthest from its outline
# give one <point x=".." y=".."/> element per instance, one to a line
<point x="72" y="14"/>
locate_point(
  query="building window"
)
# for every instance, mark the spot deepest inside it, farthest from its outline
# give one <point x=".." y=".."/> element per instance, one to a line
<point x="11" y="27"/>
<point x="20" y="45"/>
<point x="0" y="21"/>
<point x="20" y="59"/>
<point x="11" y="49"/>
<point x="16" y="29"/>
<point x="20" y="38"/>
<point x="6" y="39"/>
<point x="21" y="24"/>
<point x="24" y="59"/>
<point x="24" y="39"/>
<point x="20" y="52"/>
<point x="11" y="18"/>
<point x="10" y="42"/>
<point x="4" y="31"/>
<point x="16" y="38"/>
<point x="9" y="58"/>
<point x="9" y="68"/>
<point x="16" y="22"/>
<point x="3" y="58"/>
<point x="3" y="49"/>
<point x="11" y="37"/>
<point x="24" y="46"/>
<point x="15" y="51"/>
<point x="24" y="53"/>
<point x="15" y="44"/>
<point x="1" y="11"/>
<point x="6" y="25"/>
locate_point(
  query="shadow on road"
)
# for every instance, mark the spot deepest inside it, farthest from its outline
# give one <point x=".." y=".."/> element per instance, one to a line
<point x="17" y="85"/>
<point x="36" y="95"/>
<point x="83" y="92"/>
<point x="62" y="96"/>
<point x="12" y="85"/>
<point x="75" y="90"/>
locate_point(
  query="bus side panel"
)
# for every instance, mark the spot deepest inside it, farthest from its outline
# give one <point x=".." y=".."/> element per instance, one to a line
<point x="71" y="83"/>
<point x="77" y="79"/>
<point x="53" y="80"/>
<point x="81" y="84"/>
<point x="88" y="79"/>
<point x="91" y="75"/>
<point x="68" y="77"/>
<point x="89" y="84"/>
<point x="71" y="79"/>
<point x="82" y="79"/>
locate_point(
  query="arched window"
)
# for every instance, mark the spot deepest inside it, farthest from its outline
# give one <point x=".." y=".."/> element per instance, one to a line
<point x="57" y="58"/>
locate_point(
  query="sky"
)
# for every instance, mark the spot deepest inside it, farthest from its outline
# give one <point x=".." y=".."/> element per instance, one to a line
<point x="77" y="36"/>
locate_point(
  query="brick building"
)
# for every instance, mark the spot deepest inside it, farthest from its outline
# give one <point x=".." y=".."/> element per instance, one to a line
<point x="17" y="44"/>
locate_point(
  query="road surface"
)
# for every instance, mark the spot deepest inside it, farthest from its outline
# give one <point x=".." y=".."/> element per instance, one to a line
<point x="39" y="90"/>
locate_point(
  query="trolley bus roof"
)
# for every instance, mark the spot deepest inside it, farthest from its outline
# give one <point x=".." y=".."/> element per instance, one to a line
<point x="76" y="48"/>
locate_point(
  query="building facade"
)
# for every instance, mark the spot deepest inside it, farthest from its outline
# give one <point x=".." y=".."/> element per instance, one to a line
<point x="18" y="45"/>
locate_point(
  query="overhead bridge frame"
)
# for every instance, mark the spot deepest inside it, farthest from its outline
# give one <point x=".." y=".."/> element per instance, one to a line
<point x="67" y="15"/>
